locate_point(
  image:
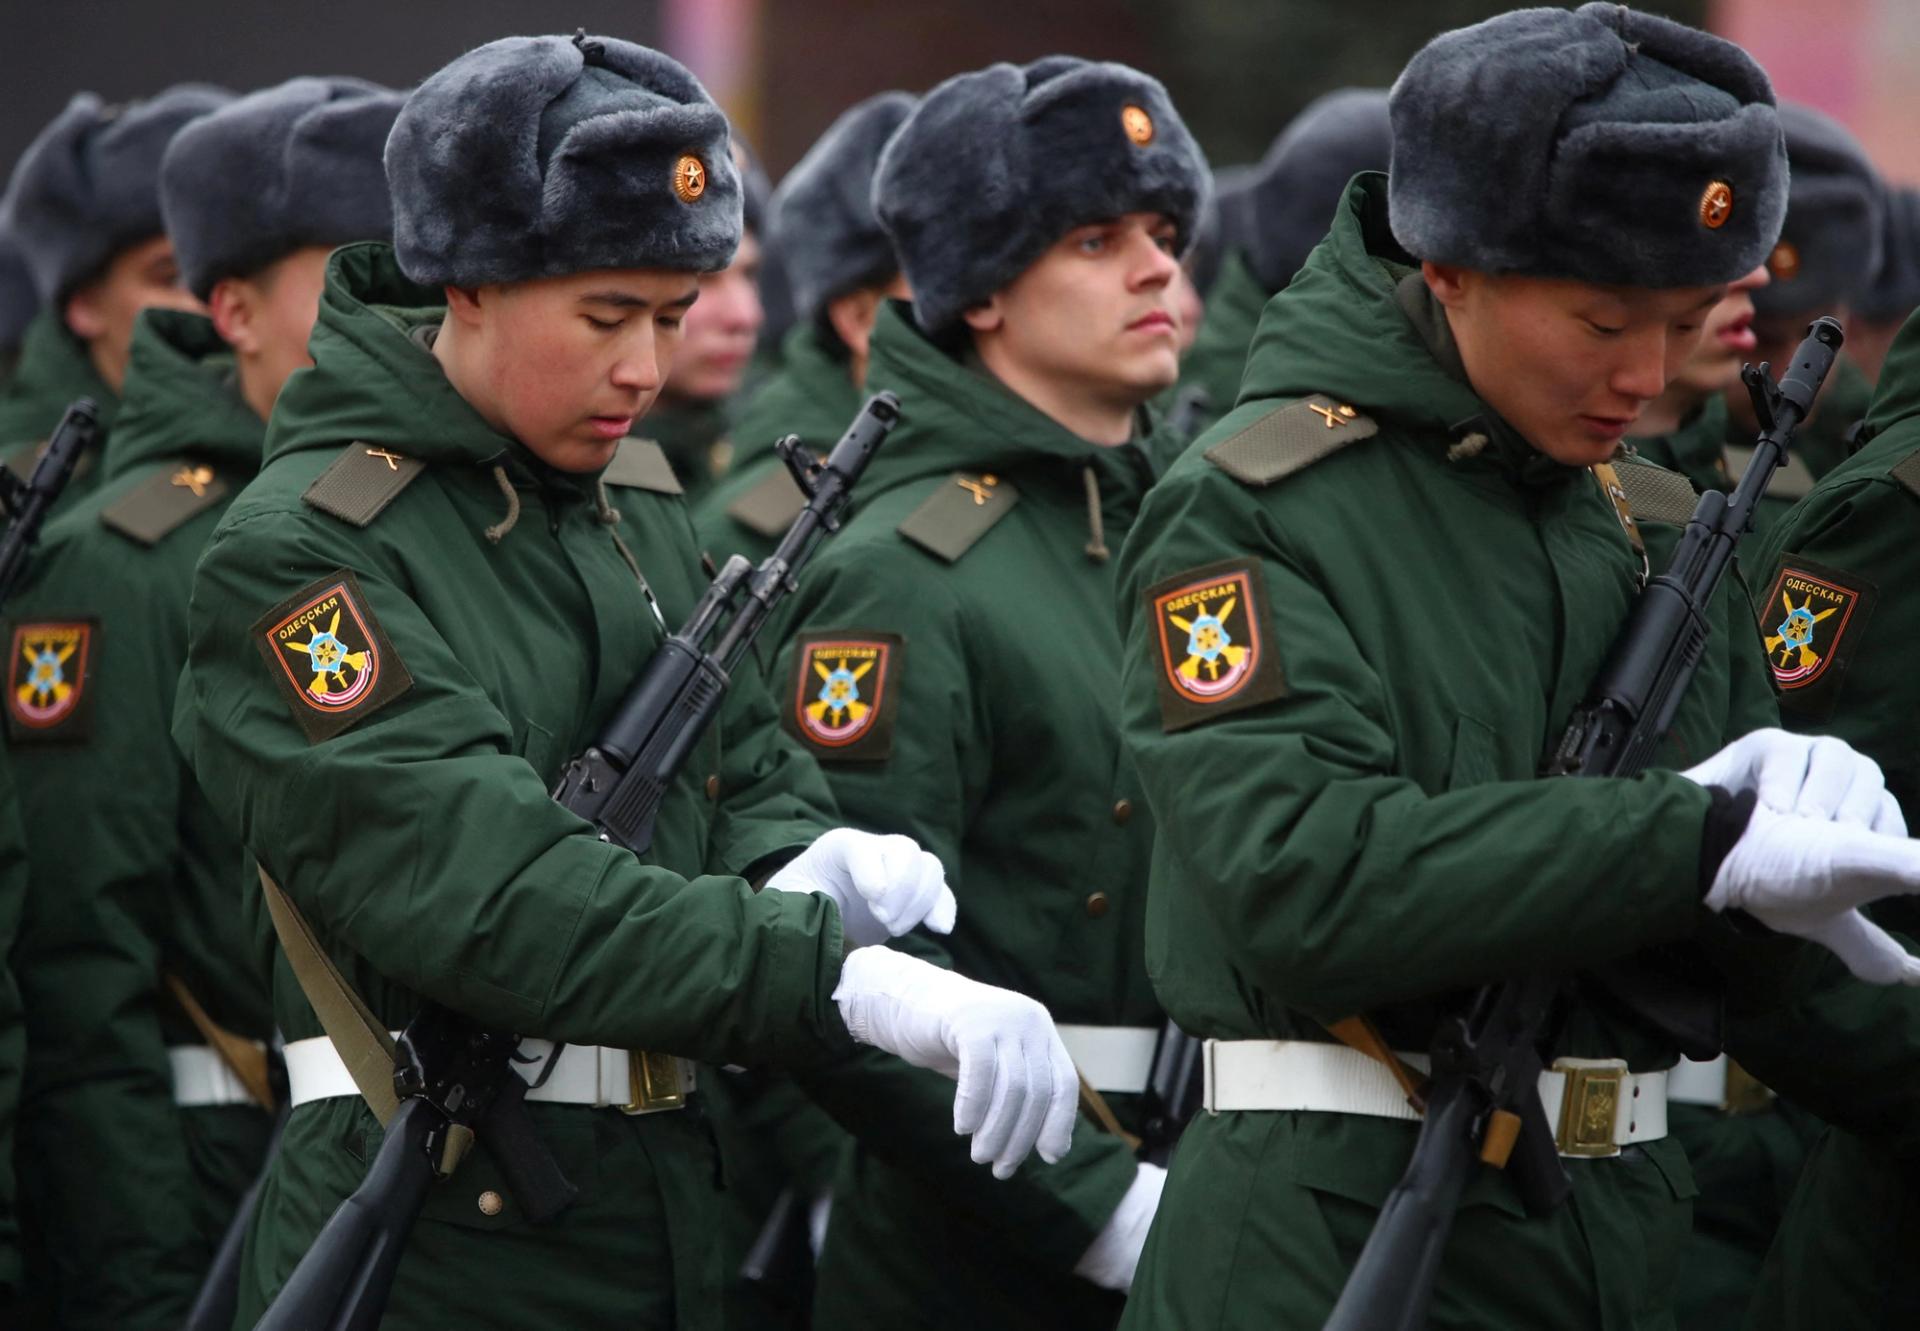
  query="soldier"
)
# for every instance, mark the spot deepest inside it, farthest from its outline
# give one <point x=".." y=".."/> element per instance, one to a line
<point x="841" y="268"/>
<point x="84" y="208"/>
<point x="149" y="1100"/>
<point x="1278" y="212"/>
<point x="694" y="417"/>
<point x="443" y="580"/>
<point x="1359" y="608"/>
<point x="1839" y="634"/>
<point x="952" y="659"/>
<point x="1685" y="428"/>
<point x="18" y="305"/>
<point x="1894" y="293"/>
<point x="1824" y="259"/>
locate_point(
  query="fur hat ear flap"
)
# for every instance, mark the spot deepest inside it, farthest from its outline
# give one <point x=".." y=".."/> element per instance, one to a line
<point x="89" y="184"/>
<point x="542" y="156"/>
<point x="18" y="300"/>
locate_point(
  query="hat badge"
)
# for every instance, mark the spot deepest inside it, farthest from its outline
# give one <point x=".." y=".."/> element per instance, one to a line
<point x="1784" y="262"/>
<point x="1137" y="123"/>
<point x="1716" y="205"/>
<point x="689" y="178"/>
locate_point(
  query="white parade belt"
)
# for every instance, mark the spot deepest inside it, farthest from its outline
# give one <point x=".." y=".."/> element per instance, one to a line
<point x="628" y="1080"/>
<point x="1112" y="1058"/>
<point x="201" y="1078"/>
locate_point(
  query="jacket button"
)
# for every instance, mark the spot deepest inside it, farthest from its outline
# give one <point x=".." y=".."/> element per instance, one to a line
<point x="491" y="1203"/>
<point x="1098" y="905"/>
<point x="1122" y="811"/>
<point x="713" y="786"/>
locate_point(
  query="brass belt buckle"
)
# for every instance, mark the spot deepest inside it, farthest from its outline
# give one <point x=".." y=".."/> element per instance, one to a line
<point x="1590" y="1106"/>
<point x="655" y="1082"/>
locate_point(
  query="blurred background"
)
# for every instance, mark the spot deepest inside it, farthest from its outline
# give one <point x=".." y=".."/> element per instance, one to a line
<point x="1238" y="69"/>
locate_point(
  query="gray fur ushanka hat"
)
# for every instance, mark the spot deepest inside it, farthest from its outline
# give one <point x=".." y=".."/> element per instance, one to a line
<point x="1894" y="292"/>
<point x="544" y="156"/>
<point x="822" y="215"/>
<point x="1836" y="208"/>
<point x="290" y="166"/>
<point x="1602" y="144"/>
<point x="995" y="166"/>
<point x="89" y="185"/>
<point x="19" y="302"/>
<point x="1293" y="194"/>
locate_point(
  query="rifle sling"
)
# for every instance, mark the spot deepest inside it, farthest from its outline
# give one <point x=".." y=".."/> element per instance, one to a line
<point x="362" y="1040"/>
<point x="246" y="1059"/>
<point x="1360" y="1033"/>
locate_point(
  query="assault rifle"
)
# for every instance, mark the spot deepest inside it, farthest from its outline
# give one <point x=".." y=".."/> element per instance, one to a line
<point x="27" y="502"/>
<point x="1482" y="1101"/>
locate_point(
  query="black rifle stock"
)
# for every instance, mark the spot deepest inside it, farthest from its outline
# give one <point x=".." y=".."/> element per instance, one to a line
<point x="28" y="502"/>
<point x="1487" y="1060"/>
<point x="1174" y="1092"/>
<point x="456" y="1081"/>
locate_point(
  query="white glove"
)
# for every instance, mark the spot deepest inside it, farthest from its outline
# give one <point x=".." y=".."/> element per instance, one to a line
<point x="1817" y="776"/>
<point x="884" y="885"/>
<point x="1110" y="1260"/>
<point x="1018" y="1088"/>
<point x="1800" y="875"/>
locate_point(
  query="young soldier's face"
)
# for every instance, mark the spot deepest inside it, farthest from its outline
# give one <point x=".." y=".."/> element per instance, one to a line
<point x="720" y="332"/>
<point x="102" y="312"/>
<point x="1726" y="342"/>
<point x="267" y="317"/>
<point x="1570" y="365"/>
<point x="1097" y="313"/>
<point x="566" y="364"/>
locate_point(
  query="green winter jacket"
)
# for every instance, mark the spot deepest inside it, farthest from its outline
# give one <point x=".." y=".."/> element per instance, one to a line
<point x="696" y="437"/>
<point x="1846" y="1242"/>
<point x="972" y="595"/>
<point x="810" y="395"/>
<point x="53" y="370"/>
<point x="132" y="876"/>
<point x="1350" y="820"/>
<point x="483" y="623"/>
<point x="13" y="1030"/>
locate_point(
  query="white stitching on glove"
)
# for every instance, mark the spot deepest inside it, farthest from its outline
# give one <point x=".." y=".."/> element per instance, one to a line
<point x="1817" y="776"/>
<point x="884" y="885"/>
<point x="1113" y="1256"/>
<point x="1018" y="1090"/>
<point x="1804" y="876"/>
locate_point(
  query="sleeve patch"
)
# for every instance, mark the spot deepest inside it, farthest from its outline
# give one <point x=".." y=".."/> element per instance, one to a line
<point x="1808" y="619"/>
<point x="329" y="657"/>
<point x="845" y="694"/>
<point x="50" y="679"/>
<point x="1210" y="654"/>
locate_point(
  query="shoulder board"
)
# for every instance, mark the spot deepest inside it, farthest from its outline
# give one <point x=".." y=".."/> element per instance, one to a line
<point x="640" y="464"/>
<point x="769" y="506"/>
<point x="362" y="481"/>
<point x="1793" y="481"/>
<point x="1290" y="439"/>
<point x="958" y="513"/>
<point x="168" y="498"/>
<point x="1654" y="494"/>
<point x="1907" y="471"/>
